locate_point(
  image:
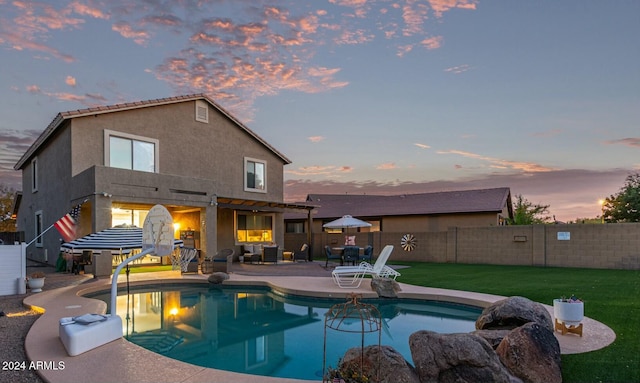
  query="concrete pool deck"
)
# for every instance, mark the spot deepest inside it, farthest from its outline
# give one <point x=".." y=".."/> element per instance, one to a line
<point x="122" y="361"/>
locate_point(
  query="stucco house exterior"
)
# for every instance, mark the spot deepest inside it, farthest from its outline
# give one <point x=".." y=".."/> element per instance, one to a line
<point x="222" y="183"/>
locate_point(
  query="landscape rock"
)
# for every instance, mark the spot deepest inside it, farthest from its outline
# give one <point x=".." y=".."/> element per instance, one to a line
<point x="532" y="353"/>
<point x="385" y="287"/>
<point x="513" y="312"/>
<point x="494" y="337"/>
<point x="456" y="358"/>
<point x="218" y="277"/>
<point x="380" y="364"/>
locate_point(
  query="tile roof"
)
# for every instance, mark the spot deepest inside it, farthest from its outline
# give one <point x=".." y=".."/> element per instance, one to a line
<point x="62" y="116"/>
<point x="449" y="202"/>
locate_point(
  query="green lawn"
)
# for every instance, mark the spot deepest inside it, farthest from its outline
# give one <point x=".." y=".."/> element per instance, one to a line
<point x="145" y="269"/>
<point x="611" y="297"/>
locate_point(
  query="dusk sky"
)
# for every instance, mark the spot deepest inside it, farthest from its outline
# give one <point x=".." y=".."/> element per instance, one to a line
<point x="376" y="97"/>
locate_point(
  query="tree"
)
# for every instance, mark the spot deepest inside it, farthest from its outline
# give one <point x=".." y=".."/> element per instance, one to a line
<point x="6" y="202"/>
<point x="526" y="213"/>
<point x="625" y="205"/>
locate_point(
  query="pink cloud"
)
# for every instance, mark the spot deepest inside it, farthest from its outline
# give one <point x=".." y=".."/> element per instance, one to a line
<point x="432" y="42"/>
<point x="316" y="138"/>
<point x="87" y="99"/>
<point x="439" y="7"/>
<point x="70" y="80"/>
<point x="235" y="59"/>
<point x="500" y="163"/>
<point x="630" y="141"/>
<point x="85" y="9"/>
<point x="414" y="15"/>
<point x="387" y="166"/>
<point x="39" y="17"/>
<point x="329" y="170"/>
<point x="422" y="146"/>
<point x="139" y="36"/>
<point x="352" y="37"/>
<point x="162" y="20"/>
<point x="404" y="49"/>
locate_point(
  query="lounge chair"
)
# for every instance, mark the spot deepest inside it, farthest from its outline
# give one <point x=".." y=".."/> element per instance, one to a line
<point x="350" y="277"/>
<point x="330" y="255"/>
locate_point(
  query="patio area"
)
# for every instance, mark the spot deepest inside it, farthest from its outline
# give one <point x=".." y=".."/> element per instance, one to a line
<point x="123" y="361"/>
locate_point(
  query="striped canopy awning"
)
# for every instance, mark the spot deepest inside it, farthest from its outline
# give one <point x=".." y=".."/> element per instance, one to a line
<point x="121" y="239"/>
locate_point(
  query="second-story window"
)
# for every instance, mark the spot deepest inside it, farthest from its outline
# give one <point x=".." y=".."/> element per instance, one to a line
<point x="255" y="175"/>
<point x="127" y="151"/>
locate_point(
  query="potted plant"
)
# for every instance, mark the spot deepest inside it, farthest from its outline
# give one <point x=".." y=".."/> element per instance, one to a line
<point x="568" y="313"/>
<point x="36" y="281"/>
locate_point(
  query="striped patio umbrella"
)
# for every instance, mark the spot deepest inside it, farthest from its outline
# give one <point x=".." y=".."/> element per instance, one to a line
<point x="120" y="239"/>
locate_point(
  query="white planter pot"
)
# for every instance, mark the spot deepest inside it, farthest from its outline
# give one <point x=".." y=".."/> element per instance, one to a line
<point x="36" y="284"/>
<point x="569" y="313"/>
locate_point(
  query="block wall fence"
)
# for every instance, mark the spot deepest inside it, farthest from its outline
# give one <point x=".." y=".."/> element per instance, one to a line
<point x="606" y="246"/>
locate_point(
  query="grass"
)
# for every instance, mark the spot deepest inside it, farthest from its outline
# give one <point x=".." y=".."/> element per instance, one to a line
<point x="611" y="297"/>
<point x="145" y="269"/>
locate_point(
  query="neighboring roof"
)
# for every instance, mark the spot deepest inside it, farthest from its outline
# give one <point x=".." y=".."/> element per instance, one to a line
<point x="450" y="202"/>
<point x="63" y="116"/>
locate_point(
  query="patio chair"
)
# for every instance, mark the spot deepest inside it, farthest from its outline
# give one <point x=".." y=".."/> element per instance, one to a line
<point x="302" y="254"/>
<point x="367" y="255"/>
<point x="350" y="254"/>
<point x="220" y="262"/>
<point x="270" y="254"/>
<point x="331" y="255"/>
<point x="350" y="277"/>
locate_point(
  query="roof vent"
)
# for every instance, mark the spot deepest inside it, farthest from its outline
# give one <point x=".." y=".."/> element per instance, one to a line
<point x="202" y="112"/>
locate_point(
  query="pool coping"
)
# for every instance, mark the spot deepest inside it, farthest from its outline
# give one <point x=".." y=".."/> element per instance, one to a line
<point x="123" y="361"/>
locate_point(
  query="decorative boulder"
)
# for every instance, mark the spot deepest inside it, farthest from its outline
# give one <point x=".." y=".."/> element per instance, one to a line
<point x="494" y="337"/>
<point x="380" y="364"/>
<point x="513" y="312"/>
<point x="532" y="353"/>
<point x="385" y="287"/>
<point x="218" y="278"/>
<point x="456" y="358"/>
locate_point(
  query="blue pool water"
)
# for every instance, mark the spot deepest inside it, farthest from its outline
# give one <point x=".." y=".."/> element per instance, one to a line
<point x="258" y="331"/>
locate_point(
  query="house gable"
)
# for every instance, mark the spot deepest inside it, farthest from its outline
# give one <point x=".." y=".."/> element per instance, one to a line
<point x="58" y="121"/>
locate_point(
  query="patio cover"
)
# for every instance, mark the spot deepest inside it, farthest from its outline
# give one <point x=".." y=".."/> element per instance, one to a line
<point x="120" y="239"/>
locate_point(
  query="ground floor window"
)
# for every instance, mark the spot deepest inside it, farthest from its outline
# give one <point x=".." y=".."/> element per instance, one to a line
<point x="295" y="227"/>
<point x="254" y="227"/>
<point x="129" y="217"/>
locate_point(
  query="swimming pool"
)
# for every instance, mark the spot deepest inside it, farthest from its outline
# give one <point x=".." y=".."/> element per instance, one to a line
<point x="259" y="331"/>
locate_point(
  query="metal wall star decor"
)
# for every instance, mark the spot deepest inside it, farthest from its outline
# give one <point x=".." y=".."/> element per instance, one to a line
<point x="408" y="242"/>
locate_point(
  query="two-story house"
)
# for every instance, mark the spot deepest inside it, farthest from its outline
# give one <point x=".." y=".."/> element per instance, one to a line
<point x="222" y="183"/>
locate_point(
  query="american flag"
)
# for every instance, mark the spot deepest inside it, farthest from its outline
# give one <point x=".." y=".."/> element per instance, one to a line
<point x="67" y="225"/>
